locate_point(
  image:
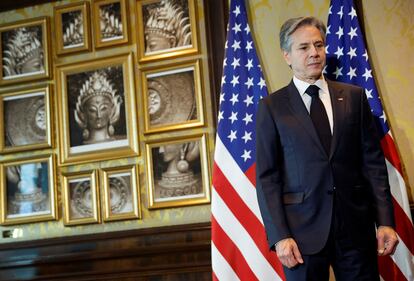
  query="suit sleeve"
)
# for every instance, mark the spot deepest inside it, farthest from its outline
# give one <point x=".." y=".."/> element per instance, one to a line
<point x="374" y="167"/>
<point x="269" y="183"/>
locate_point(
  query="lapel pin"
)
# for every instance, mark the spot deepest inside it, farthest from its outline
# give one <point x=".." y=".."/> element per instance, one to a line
<point x="340" y="99"/>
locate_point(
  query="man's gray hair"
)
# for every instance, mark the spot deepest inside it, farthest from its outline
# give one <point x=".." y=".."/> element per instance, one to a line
<point x="291" y="25"/>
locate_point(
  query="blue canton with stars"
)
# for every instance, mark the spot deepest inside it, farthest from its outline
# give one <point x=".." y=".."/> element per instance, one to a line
<point x="347" y="58"/>
<point x="242" y="87"/>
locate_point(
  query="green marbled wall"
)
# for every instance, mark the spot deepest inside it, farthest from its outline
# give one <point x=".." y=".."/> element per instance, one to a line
<point x="389" y="28"/>
<point x="150" y="218"/>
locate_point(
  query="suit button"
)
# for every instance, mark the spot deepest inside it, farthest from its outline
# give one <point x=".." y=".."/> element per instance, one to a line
<point x="330" y="192"/>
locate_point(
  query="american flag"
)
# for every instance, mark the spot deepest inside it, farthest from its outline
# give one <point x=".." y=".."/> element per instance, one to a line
<point x="239" y="246"/>
<point x="347" y="61"/>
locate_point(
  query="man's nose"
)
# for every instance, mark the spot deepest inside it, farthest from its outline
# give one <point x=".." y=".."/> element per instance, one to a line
<point x="313" y="50"/>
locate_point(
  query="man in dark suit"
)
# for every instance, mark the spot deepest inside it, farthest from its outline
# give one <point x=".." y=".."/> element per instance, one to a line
<point x="322" y="182"/>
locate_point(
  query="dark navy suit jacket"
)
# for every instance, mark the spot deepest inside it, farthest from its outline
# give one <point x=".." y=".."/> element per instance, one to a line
<point x="297" y="179"/>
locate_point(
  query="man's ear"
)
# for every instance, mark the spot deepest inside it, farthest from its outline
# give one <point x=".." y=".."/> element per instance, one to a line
<point x="286" y="56"/>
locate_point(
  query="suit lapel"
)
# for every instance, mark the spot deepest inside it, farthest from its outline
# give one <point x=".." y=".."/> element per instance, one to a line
<point x="338" y="101"/>
<point x="302" y="115"/>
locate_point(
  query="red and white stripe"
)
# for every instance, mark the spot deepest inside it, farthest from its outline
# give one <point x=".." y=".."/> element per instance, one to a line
<point x="400" y="266"/>
<point x="239" y="247"/>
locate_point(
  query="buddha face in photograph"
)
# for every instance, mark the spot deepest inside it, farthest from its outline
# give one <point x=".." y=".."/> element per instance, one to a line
<point x="98" y="111"/>
<point x="167" y="26"/>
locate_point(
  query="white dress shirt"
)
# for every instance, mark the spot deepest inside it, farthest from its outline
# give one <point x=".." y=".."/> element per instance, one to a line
<point x="323" y="95"/>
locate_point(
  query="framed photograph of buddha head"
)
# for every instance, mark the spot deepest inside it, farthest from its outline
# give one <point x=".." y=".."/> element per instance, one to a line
<point x="72" y="28"/>
<point x="26" y="120"/>
<point x="120" y="193"/>
<point x="110" y="22"/>
<point x="97" y="110"/>
<point x="27" y="191"/>
<point x="166" y="28"/>
<point x="24" y="51"/>
<point x="177" y="172"/>
<point x="80" y="196"/>
<point x="173" y="97"/>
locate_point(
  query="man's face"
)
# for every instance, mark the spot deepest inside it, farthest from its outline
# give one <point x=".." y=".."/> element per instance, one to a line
<point x="307" y="54"/>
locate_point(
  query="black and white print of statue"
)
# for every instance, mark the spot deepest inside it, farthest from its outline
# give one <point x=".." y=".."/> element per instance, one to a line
<point x="97" y="111"/>
<point x="25" y="119"/>
<point x="27" y="190"/>
<point x="167" y="26"/>
<point x="23" y="52"/>
<point x="110" y="21"/>
<point x="72" y="29"/>
<point x="120" y="194"/>
<point x="171" y="98"/>
<point x="177" y="171"/>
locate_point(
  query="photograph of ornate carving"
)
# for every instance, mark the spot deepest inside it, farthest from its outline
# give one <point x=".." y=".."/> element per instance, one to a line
<point x="97" y="112"/>
<point x="166" y="26"/>
<point x="80" y="198"/>
<point x="72" y="28"/>
<point x="24" y="51"/>
<point x="25" y="120"/>
<point x="28" y="191"/>
<point x="172" y="98"/>
<point x="97" y="109"/>
<point x="121" y="196"/>
<point x="178" y="172"/>
<point x="110" y="22"/>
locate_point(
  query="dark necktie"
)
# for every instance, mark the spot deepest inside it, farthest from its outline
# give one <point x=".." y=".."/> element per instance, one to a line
<point x="320" y="118"/>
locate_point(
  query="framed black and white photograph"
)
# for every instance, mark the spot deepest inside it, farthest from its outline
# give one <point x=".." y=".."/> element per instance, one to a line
<point x="167" y="28"/>
<point x="25" y="120"/>
<point x="24" y="51"/>
<point x="110" y="22"/>
<point x="80" y="198"/>
<point x="72" y="28"/>
<point x="172" y="97"/>
<point x="177" y="172"/>
<point x="27" y="191"/>
<point x="121" y="196"/>
<point x="97" y="110"/>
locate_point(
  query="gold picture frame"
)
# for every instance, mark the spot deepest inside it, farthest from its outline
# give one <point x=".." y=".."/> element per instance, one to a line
<point x="173" y="97"/>
<point x="121" y="193"/>
<point x="26" y="120"/>
<point x="24" y="51"/>
<point x="110" y="22"/>
<point x="72" y="28"/>
<point x="28" y="191"/>
<point x="80" y="197"/>
<point x="97" y="113"/>
<point x="166" y="30"/>
<point x="181" y="176"/>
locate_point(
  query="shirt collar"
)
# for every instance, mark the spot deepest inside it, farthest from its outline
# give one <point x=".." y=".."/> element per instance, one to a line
<point x="302" y="85"/>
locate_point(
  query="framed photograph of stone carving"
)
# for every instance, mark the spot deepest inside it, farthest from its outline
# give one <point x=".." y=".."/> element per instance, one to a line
<point x="172" y="97"/>
<point x="166" y="28"/>
<point x="97" y="110"/>
<point x="26" y="120"/>
<point x="24" y="51"/>
<point x="27" y="191"/>
<point x="72" y="28"/>
<point x="120" y="195"/>
<point x="177" y="172"/>
<point x="110" y="22"/>
<point x="80" y="198"/>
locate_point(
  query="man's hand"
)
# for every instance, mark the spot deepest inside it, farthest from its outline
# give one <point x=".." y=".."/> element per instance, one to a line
<point x="387" y="240"/>
<point x="288" y="252"/>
